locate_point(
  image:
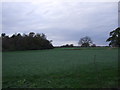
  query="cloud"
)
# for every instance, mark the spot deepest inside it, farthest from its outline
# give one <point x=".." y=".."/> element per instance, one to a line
<point x="62" y="21"/>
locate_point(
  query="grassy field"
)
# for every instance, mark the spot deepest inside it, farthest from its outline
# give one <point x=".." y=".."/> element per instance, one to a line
<point x="61" y="68"/>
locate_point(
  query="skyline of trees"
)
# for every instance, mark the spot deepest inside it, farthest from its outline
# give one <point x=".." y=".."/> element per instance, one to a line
<point x="31" y="41"/>
<point x="38" y="41"/>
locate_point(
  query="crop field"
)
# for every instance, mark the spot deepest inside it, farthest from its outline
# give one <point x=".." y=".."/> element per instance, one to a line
<point x="61" y="68"/>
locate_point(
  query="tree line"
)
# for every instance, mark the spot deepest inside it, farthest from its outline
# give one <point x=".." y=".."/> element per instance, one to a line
<point x="38" y="41"/>
<point x="31" y="41"/>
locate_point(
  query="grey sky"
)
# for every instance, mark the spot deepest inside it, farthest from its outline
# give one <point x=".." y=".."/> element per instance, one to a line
<point x="62" y="21"/>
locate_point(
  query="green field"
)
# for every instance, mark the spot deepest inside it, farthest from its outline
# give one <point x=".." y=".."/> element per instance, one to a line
<point x="61" y="68"/>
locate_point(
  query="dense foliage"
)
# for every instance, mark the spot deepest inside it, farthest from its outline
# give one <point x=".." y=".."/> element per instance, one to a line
<point x="114" y="38"/>
<point x="67" y="45"/>
<point x="31" y="41"/>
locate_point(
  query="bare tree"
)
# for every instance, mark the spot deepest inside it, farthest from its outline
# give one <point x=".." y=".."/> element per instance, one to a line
<point x="85" y="41"/>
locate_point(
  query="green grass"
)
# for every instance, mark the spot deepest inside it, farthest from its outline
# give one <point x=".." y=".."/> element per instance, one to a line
<point x="59" y="68"/>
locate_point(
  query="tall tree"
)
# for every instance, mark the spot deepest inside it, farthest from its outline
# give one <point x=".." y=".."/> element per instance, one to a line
<point x="85" y="41"/>
<point x="114" y="38"/>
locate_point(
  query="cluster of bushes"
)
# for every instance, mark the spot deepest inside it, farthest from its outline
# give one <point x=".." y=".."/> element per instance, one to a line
<point x="31" y="41"/>
<point x="83" y="45"/>
<point x="88" y="45"/>
<point x="67" y="45"/>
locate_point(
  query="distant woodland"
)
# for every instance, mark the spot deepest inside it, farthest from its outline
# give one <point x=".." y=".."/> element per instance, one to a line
<point x="39" y="41"/>
<point x="31" y="41"/>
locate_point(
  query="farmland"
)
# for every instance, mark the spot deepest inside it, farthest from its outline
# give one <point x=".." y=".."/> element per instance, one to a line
<point x="61" y="68"/>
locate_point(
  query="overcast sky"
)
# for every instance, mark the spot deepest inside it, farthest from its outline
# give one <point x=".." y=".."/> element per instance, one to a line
<point x="64" y="22"/>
